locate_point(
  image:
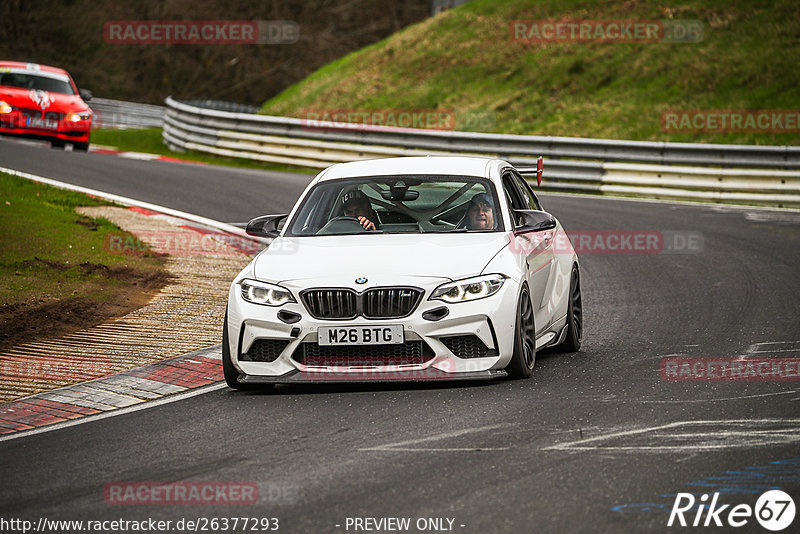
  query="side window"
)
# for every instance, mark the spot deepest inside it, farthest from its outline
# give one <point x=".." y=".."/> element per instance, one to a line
<point x="513" y="195"/>
<point x="528" y="196"/>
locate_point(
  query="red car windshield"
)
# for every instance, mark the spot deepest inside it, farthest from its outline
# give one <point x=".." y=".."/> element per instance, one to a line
<point x="34" y="81"/>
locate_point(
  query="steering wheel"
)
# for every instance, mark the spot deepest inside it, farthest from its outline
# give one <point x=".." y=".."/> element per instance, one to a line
<point x="342" y="225"/>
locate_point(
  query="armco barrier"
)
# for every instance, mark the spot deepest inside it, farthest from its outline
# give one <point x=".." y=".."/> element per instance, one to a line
<point x="119" y="114"/>
<point x="661" y="170"/>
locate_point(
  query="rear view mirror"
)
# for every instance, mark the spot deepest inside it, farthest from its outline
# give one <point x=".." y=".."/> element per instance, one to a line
<point x="265" y="226"/>
<point x="403" y="195"/>
<point x="86" y="94"/>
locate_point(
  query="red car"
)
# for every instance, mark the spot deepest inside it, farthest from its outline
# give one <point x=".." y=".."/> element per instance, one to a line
<point x="43" y="103"/>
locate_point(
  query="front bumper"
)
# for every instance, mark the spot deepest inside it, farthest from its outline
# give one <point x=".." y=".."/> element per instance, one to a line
<point x="14" y="124"/>
<point x="446" y="346"/>
<point x="432" y="374"/>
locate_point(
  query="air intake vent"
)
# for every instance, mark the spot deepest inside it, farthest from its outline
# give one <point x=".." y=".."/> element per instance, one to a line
<point x="469" y="346"/>
<point x="408" y="353"/>
<point x="264" y="350"/>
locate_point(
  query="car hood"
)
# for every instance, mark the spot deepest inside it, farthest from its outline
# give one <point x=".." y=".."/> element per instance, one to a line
<point x="42" y="100"/>
<point x="378" y="257"/>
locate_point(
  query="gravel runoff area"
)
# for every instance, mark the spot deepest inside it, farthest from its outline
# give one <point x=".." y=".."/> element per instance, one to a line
<point x="184" y="316"/>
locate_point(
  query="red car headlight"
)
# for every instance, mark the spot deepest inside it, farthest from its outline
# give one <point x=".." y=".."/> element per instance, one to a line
<point x="78" y="117"/>
<point x="5" y="107"/>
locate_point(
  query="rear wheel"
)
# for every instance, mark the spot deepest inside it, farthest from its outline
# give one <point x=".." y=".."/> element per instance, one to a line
<point x="524" y="356"/>
<point x="572" y="343"/>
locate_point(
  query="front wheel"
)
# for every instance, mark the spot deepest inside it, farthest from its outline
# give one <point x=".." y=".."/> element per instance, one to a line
<point x="572" y="343"/>
<point x="524" y="356"/>
<point x="80" y="147"/>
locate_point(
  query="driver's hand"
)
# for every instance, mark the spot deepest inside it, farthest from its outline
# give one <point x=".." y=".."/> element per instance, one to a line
<point x="366" y="223"/>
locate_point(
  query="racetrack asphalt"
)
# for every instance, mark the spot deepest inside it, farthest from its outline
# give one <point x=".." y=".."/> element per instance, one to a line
<point x="595" y="441"/>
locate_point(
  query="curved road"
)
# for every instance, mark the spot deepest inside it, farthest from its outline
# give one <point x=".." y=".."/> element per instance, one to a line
<point x="593" y="442"/>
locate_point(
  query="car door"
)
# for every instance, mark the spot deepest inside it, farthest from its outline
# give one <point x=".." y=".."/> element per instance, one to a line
<point x="562" y="264"/>
<point x="536" y="250"/>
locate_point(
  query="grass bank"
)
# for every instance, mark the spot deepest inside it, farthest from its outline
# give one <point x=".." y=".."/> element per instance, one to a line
<point x="465" y="60"/>
<point x="57" y="274"/>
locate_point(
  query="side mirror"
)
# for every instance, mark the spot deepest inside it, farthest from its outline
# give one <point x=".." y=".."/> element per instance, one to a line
<point x="86" y="94"/>
<point x="265" y="226"/>
<point x="534" y="221"/>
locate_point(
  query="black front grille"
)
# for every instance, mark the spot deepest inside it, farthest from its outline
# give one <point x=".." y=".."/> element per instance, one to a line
<point x="390" y="302"/>
<point x="376" y="303"/>
<point x="53" y="116"/>
<point x="408" y="353"/>
<point x="469" y="346"/>
<point x="331" y="303"/>
<point x="264" y="350"/>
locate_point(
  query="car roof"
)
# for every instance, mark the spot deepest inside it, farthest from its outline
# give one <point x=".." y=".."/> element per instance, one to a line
<point x="441" y="165"/>
<point x="33" y="67"/>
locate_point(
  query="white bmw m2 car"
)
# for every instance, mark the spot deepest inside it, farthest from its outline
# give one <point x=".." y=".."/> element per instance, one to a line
<point x="419" y="268"/>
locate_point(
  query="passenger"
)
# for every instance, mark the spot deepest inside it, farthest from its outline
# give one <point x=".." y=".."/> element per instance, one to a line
<point x="356" y="204"/>
<point x="480" y="214"/>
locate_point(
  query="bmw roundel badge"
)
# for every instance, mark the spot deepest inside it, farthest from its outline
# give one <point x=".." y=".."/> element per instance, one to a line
<point x="361" y="280"/>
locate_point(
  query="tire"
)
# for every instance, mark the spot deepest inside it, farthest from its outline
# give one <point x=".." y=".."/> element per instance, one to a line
<point x="572" y="343"/>
<point x="228" y="370"/>
<point x="524" y="356"/>
<point x="58" y="144"/>
<point x="81" y="147"/>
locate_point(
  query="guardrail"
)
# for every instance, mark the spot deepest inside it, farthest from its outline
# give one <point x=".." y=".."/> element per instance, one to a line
<point x="119" y="114"/>
<point x="661" y="170"/>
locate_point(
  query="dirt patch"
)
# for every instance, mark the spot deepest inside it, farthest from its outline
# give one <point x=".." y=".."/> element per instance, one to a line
<point x="91" y="224"/>
<point x="57" y="265"/>
<point x="43" y="319"/>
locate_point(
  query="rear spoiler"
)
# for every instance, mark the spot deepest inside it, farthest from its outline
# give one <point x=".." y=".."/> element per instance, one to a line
<point x="530" y="171"/>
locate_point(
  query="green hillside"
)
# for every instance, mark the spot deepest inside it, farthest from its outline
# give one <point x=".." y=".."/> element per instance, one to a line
<point x="465" y="60"/>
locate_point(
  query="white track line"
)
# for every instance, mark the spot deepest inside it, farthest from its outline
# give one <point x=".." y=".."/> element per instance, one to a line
<point x="113" y="413"/>
<point x="125" y="201"/>
<point x="399" y="446"/>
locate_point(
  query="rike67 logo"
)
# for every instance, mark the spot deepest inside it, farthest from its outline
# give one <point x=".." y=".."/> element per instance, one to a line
<point x="774" y="510"/>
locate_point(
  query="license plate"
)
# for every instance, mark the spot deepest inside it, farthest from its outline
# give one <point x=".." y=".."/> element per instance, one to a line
<point x="38" y="122"/>
<point x="361" y="335"/>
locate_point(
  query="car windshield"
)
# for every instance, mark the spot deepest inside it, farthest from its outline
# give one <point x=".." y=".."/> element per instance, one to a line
<point x="35" y="81"/>
<point x="398" y="204"/>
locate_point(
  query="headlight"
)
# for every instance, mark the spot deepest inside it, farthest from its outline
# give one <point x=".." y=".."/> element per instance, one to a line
<point x="469" y="289"/>
<point x="264" y="293"/>
<point x="77" y="117"/>
<point x="5" y="108"/>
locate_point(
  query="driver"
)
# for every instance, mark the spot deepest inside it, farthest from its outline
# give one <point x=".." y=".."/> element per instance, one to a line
<point x="480" y="213"/>
<point x="356" y="204"/>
